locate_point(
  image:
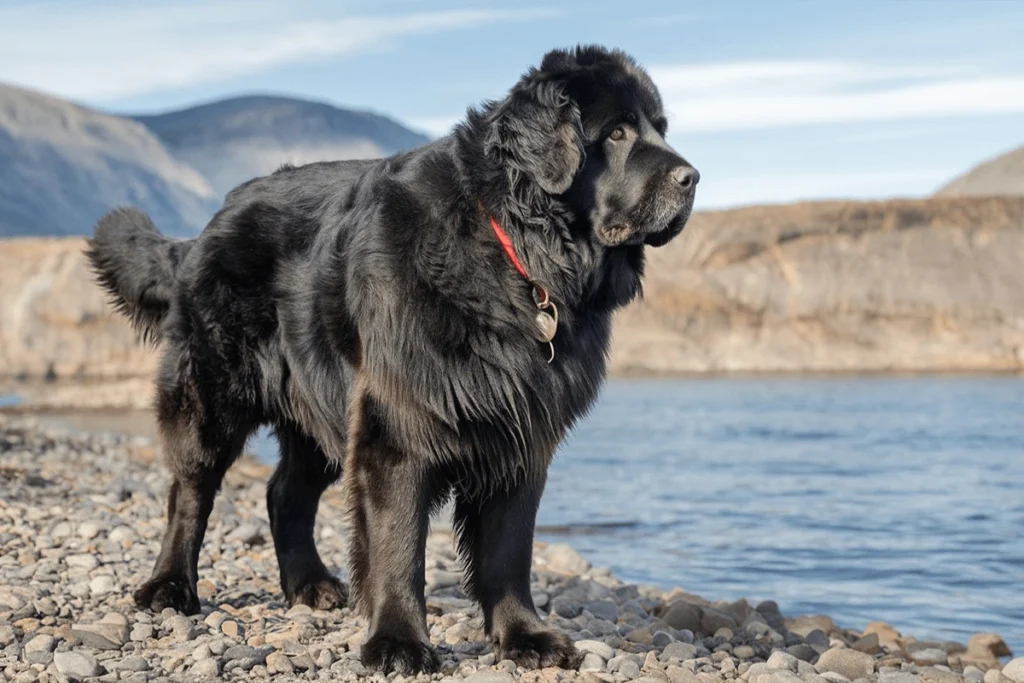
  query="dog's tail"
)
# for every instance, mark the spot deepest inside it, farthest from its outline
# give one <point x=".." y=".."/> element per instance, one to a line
<point x="137" y="266"/>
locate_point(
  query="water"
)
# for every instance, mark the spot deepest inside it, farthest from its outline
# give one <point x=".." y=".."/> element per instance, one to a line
<point x="895" y="498"/>
<point x="863" y="498"/>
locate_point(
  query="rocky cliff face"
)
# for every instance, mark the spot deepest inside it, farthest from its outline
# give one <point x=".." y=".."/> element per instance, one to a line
<point x="932" y="284"/>
<point x="55" y="322"/>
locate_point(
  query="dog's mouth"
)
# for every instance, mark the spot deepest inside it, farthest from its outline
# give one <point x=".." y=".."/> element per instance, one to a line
<point x="624" y="234"/>
<point x="654" y="222"/>
<point x="662" y="237"/>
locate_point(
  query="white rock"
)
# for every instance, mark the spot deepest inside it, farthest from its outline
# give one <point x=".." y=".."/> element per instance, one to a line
<point x="82" y="561"/>
<point x="103" y="584"/>
<point x="602" y="650"/>
<point x="783" y="660"/>
<point x="207" y="668"/>
<point x="1014" y="670"/>
<point x="88" y="530"/>
<point x="563" y="558"/>
<point x="76" y="664"/>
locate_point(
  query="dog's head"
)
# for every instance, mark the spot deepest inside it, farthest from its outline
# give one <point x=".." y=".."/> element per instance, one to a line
<point x="588" y="126"/>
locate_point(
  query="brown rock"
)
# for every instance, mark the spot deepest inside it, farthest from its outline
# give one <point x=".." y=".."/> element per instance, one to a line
<point x="683" y="615"/>
<point x="868" y="644"/>
<point x="987" y="646"/>
<point x="231" y="629"/>
<point x="641" y="636"/>
<point x="807" y="623"/>
<point x="677" y="674"/>
<point x="846" y="662"/>
<point x="28" y="624"/>
<point x="887" y="635"/>
<point x="712" y="620"/>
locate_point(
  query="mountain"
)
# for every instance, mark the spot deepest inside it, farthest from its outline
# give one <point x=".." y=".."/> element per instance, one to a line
<point x="1003" y="175"/>
<point x="230" y="141"/>
<point x="62" y="166"/>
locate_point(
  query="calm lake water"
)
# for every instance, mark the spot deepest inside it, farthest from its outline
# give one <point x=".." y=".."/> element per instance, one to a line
<point x="862" y="498"/>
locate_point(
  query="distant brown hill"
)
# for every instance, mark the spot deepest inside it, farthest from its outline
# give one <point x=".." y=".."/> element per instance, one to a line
<point x="931" y="284"/>
<point x="1003" y="175"/>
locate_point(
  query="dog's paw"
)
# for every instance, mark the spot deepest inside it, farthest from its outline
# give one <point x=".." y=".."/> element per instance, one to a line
<point x="538" y="648"/>
<point x="325" y="593"/>
<point x="175" y="592"/>
<point x="408" y="656"/>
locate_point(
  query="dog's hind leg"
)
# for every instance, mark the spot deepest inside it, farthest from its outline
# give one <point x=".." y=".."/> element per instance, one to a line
<point x="496" y="543"/>
<point x="199" y="448"/>
<point x="293" y="496"/>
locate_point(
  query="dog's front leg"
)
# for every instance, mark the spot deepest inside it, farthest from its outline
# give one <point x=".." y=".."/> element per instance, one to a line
<point x="388" y="493"/>
<point x="496" y="541"/>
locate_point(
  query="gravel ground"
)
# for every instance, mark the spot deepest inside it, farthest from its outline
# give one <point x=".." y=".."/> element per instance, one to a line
<point x="81" y="518"/>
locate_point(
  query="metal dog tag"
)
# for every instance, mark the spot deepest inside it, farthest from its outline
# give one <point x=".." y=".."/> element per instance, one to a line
<point x="547" y="325"/>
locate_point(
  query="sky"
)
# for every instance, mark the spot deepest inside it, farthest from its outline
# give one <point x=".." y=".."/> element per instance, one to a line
<point x="773" y="101"/>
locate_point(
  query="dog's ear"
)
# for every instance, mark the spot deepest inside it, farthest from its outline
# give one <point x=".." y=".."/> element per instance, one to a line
<point x="537" y="131"/>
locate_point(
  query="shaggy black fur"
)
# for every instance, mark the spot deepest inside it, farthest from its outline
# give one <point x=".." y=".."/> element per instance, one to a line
<point x="366" y="310"/>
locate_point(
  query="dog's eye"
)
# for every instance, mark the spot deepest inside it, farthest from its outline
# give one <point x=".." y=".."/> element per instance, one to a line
<point x="618" y="133"/>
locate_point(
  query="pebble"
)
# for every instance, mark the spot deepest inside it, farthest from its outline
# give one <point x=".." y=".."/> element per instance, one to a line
<point x="101" y="585"/>
<point x="82" y="561"/>
<point x="996" y="676"/>
<point x="783" y="660"/>
<point x="681" y="651"/>
<point x="141" y="633"/>
<point x="207" y="668"/>
<point x="76" y="664"/>
<point x="278" y="662"/>
<point x="560" y="557"/>
<point x="848" y="663"/>
<point x="1014" y="670"/>
<point x="683" y="615"/>
<point x="66" y="610"/>
<point x="130" y="663"/>
<point x="231" y="629"/>
<point x="39" y="649"/>
<point x="101" y="635"/>
<point x="604" y="609"/>
<point x="89" y="530"/>
<point x="744" y="652"/>
<point x="602" y="650"/>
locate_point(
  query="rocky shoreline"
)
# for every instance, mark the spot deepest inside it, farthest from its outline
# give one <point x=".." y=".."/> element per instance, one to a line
<point x="80" y="522"/>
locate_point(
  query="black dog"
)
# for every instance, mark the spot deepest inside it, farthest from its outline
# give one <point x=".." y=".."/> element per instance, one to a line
<point x="432" y="324"/>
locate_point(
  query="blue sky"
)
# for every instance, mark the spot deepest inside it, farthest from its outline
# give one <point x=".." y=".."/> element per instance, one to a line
<point x="772" y="101"/>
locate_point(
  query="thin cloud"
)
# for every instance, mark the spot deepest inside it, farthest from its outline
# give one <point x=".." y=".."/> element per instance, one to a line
<point x="101" y="53"/>
<point x="664" y="19"/>
<point x="758" y="95"/>
<point x="750" y="95"/>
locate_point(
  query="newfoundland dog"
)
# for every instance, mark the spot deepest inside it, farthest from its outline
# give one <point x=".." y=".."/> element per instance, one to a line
<point x="430" y="325"/>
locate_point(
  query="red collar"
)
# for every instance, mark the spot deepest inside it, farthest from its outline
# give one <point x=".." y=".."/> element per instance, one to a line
<point x="540" y="293"/>
<point x="506" y="243"/>
<point x="547" y="312"/>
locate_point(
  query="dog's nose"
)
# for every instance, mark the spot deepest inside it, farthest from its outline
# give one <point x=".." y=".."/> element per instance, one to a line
<point x="686" y="176"/>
